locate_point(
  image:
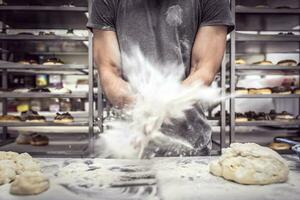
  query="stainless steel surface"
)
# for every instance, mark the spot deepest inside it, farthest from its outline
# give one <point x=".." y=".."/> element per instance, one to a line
<point x="249" y="10"/>
<point x="47" y="123"/>
<point x="258" y="47"/>
<point x="43" y="8"/>
<point x="267" y="67"/>
<point x="288" y="141"/>
<point x="91" y="92"/>
<point x="242" y="37"/>
<point x="65" y="67"/>
<point x="269" y="96"/>
<point x="266" y="70"/>
<point x="4" y="135"/>
<point x="70" y="149"/>
<point x="295" y="145"/>
<point x="47" y="46"/>
<point x="223" y="104"/>
<point x="42" y="95"/>
<point x="268" y="21"/>
<point x="80" y="3"/>
<point x="6" y="37"/>
<point x="273" y="123"/>
<point x="99" y="105"/>
<point x="44" y="17"/>
<point x="232" y="76"/>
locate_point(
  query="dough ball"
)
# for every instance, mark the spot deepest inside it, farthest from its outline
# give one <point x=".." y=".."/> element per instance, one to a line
<point x="250" y="164"/>
<point x="7" y="171"/>
<point x="29" y="183"/>
<point x="8" y="155"/>
<point x="24" y="165"/>
<point x="23" y="156"/>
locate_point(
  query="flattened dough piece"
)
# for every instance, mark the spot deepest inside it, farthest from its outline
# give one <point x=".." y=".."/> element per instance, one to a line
<point x="250" y="164"/>
<point x="7" y="171"/>
<point x="29" y="183"/>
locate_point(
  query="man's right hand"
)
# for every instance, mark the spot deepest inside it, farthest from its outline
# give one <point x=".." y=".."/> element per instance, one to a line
<point x="119" y="94"/>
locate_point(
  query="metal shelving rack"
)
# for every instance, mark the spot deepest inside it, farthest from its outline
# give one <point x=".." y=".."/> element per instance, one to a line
<point x="249" y="18"/>
<point x="37" y="14"/>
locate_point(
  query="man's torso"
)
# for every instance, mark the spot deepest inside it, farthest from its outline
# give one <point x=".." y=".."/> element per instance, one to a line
<point x="165" y="30"/>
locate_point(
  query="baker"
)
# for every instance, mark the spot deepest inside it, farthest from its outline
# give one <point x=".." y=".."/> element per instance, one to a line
<point x="189" y="32"/>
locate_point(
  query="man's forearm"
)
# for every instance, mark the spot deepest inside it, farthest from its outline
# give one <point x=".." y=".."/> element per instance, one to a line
<point x="204" y="74"/>
<point x="207" y="54"/>
<point x="115" y="88"/>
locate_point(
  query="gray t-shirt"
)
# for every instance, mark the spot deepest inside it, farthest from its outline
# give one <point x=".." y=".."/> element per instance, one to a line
<point x="165" y="30"/>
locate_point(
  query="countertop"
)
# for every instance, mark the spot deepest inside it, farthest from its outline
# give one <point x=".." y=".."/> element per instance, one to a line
<point x="159" y="178"/>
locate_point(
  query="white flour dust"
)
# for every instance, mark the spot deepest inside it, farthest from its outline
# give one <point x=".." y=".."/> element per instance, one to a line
<point x="159" y="97"/>
<point x="174" y="15"/>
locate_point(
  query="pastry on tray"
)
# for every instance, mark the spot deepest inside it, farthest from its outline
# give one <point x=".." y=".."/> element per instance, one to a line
<point x="241" y="91"/>
<point x="240" y="61"/>
<point x="296" y="91"/>
<point x="32" y="116"/>
<point x="279" y="146"/>
<point x="25" y="33"/>
<point x="263" y="62"/>
<point x="39" y="90"/>
<point x="251" y="115"/>
<point x="239" y="117"/>
<point x="46" y="33"/>
<point x="21" y="90"/>
<point x="9" y="118"/>
<point x="283" y="7"/>
<point x="281" y="90"/>
<point x="53" y="61"/>
<point x="63" y="118"/>
<point x="218" y="114"/>
<point x="287" y="63"/>
<point x="28" y="62"/>
<point x="286" y="33"/>
<point x="39" y="140"/>
<point x="262" y="6"/>
<point x="60" y="90"/>
<point x="263" y="117"/>
<point x="284" y="116"/>
<point x="23" y="139"/>
<point x="273" y="114"/>
<point x="254" y="91"/>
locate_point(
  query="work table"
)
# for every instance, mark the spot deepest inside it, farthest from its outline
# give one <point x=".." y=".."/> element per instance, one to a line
<point x="159" y="178"/>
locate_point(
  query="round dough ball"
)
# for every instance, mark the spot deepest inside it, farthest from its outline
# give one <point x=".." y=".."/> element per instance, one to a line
<point x="250" y="164"/>
<point x="8" y="155"/>
<point x="7" y="171"/>
<point x="23" y="156"/>
<point x="29" y="183"/>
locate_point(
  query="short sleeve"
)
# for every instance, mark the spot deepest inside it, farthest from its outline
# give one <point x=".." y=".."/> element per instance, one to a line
<point x="102" y="15"/>
<point x="216" y="12"/>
